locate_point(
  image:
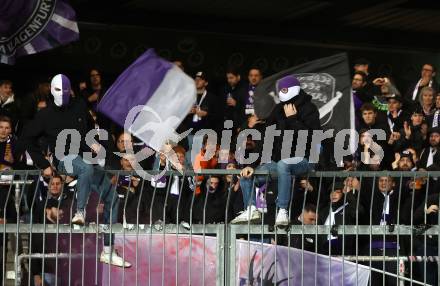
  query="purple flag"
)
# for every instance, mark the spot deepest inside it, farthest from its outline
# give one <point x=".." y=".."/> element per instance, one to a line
<point x="150" y="99"/>
<point x="31" y="26"/>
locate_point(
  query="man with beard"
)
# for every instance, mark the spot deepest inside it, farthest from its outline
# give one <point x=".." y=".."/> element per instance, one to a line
<point x="430" y="156"/>
<point x="294" y="113"/>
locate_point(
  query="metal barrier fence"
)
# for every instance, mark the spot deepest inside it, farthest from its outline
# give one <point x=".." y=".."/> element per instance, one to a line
<point x="383" y="232"/>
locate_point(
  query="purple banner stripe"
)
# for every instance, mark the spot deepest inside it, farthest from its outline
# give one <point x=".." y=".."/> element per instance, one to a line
<point x="134" y="86"/>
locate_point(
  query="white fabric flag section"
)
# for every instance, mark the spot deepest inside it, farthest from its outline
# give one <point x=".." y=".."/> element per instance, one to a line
<point x="150" y="99"/>
<point x="165" y="110"/>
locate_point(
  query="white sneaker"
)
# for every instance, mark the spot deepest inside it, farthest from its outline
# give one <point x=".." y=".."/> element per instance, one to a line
<point x="185" y="225"/>
<point x="251" y="214"/>
<point x="282" y="218"/>
<point x="78" y="218"/>
<point x="113" y="258"/>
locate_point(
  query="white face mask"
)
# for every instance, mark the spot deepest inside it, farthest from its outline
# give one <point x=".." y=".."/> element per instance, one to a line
<point x="286" y="94"/>
<point x="60" y="89"/>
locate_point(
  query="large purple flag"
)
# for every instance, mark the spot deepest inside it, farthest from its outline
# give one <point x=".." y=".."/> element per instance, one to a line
<point x="150" y="99"/>
<point x="31" y="26"/>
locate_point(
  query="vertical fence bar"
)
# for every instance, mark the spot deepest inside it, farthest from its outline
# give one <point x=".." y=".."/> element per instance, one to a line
<point x="424" y="233"/>
<point x="178" y="224"/>
<point x="288" y="234"/>
<point x="137" y="231"/>
<point x="58" y="231"/>
<point x="204" y="229"/>
<point x="357" y="229"/>
<point x="398" y="229"/>
<point x="169" y="182"/>
<point x="5" y="239"/>
<point x="225" y="245"/>
<point x="151" y="233"/>
<point x="302" y="233"/>
<point x="31" y="219"/>
<point x="329" y="237"/>
<point x="373" y="189"/>
<point x="316" y="230"/>
<point x="191" y="229"/>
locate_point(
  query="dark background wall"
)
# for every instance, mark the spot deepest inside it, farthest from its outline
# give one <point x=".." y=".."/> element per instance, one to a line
<point x="112" y="48"/>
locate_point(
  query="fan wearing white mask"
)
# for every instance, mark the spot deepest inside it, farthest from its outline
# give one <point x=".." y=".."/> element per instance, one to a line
<point x="63" y="114"/>
<point x="293" y="114"/>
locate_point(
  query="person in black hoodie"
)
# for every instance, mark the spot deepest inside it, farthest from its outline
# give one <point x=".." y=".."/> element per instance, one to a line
<point x="294" y="114"/>
<point x="67" y="113"/>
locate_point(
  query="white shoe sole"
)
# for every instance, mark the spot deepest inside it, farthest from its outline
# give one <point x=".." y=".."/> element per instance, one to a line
<point x="253" y="220"/>
<point x="104" y="260"/>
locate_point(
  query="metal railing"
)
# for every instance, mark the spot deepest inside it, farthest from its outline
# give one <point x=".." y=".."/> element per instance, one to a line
<point x="164" y="250"/>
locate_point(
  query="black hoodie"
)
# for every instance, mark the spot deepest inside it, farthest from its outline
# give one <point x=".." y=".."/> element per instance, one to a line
<point x="49" y="123"/>
<point x="307" y="118"/>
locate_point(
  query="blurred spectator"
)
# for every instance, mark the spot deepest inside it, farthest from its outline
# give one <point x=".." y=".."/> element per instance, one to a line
<point x="7" y="144"/>
<point x="171" y="196"/>
<point x="233" y="191"/>
<point x="411" y="132"/>
<point x="199" y="115"/>
<point x="307" y="242"/>
<point x="93" y="91"/>
<point x="341" y="211"/>
<point x="370" y="118"/>
<point x="32" y="102"/>
<point x="387" y="89"/>
<point x="427" y="78"/>
<point x="383" y="205"/>
<point x="427" y="102"/>
<point x="404" y="161"/>
<point x="254" y="76"/>
<point x="133" y="205"/>
<point x="395" y="115"/>
<point x="430" y="156"/>
<point x="8" y="105"/>
<point x="231" y="101"/>
<point x="359" y="93"/>
<point x="428" y="244"/>
<point x="211" y="203"/>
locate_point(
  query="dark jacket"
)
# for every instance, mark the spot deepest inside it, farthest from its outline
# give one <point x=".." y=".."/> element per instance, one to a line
<point x="210" y="205"/>
<point x="161" y="198"/>
<point x="223" y="112"/>
<point x="307" y="118"/>
<point x="49" y="123"/>
<point x="347" y="216"/>
<point x="10" y="109"/>
<point x="205" y="103"/>
<point x="409" y="103"/>
<point x="424" y="160"/>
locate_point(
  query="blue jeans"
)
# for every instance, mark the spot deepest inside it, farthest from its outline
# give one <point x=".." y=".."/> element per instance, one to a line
<point x="246" y="183"/>
<point x="92" y="178"/>
<point x="285" y="169"/>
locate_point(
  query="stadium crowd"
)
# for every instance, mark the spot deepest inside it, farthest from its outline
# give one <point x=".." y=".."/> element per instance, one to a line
<point x="409" y="117"/>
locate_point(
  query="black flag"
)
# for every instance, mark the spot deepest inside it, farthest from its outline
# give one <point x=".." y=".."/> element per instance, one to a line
<point x="327" y="80"/>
